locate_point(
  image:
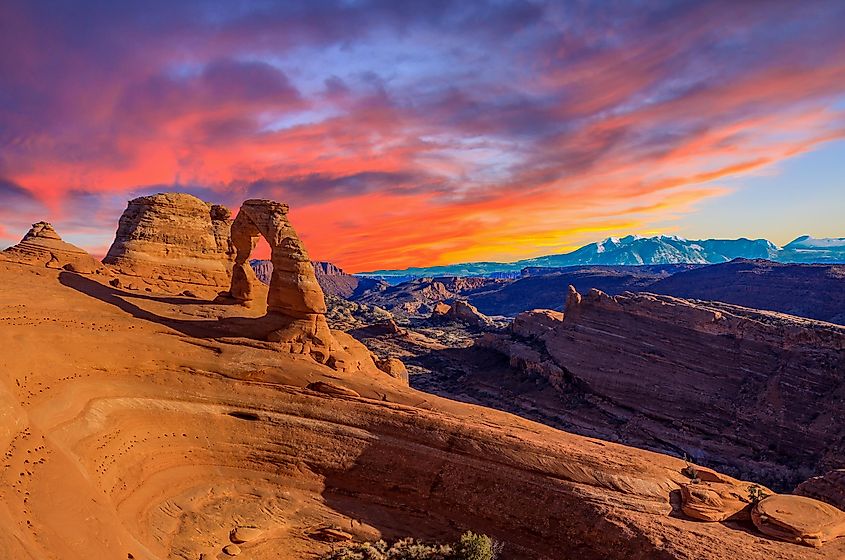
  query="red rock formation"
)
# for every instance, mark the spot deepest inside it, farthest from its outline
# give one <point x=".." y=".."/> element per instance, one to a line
<point x="296" y="307"/>
<point x="798" y="519"/>
<point x="462" y="312"/>
<point x="173" y="237"/>
<point x="43" y="246"/>
<point x="829" y="488"/>
<point x="419" y="296"/>
<point x="756" y="393"/>
<point x="294" y="291"/>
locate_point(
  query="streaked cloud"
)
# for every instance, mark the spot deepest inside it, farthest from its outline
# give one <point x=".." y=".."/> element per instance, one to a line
<point x="411" y="133"/>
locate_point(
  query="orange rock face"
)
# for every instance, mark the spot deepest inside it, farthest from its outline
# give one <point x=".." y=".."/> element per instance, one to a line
<point x="799" y="519"/>
<point x="294" y="290"/>
<point x="715" y="501"/>
<point x="296" y="307"/>
<point x="173" y="237"/>
<point x="43" y="246"/>
<point x="755" y="393"/>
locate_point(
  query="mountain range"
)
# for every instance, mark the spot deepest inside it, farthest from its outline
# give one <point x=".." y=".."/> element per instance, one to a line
<point x="637" y="250"/>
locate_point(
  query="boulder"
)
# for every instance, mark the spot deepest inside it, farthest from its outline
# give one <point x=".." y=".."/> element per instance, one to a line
<point x="536" y="323"/>
<point x="798" y="519"/>
<point x="440" y="309"/>
<point x="828" y="488"/>
<point x="42" y="246"/>
<point x="231" y="550"/>
<point x="173" y="237"/>
<point x="461" y="311"/>
<point x="715" y="501"/>
<point x="240" y="535"/>
<point x="394" y="368"/>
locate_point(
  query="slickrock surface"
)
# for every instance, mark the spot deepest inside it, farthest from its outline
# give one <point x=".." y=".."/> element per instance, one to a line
<point x="758" y="394"/>
<point x="829" y="488"/>
<point x="799" y="519"/>
<point x="151" y="426"/>
<point x="173" y="237"/>
<point x="43" y="246"/>
<point x="296" y="307"/>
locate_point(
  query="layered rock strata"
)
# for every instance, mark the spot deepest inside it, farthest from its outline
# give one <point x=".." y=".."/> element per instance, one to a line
<point x="756" y="393"/>
<point x="43" y="246"/>
<point x="462" y="312"/>
<point x="173" y="237"/>
<point x="829" y="488"/>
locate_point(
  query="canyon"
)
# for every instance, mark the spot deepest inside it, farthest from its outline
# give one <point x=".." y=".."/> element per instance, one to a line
<point x="166" y="404"/>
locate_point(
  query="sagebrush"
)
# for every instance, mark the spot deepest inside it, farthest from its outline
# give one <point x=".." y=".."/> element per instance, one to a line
<point x="471" y="546"/>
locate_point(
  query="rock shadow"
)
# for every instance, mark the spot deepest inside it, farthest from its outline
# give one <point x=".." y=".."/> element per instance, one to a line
<point x="242" y="327"/>
<point x="434" y="485"/>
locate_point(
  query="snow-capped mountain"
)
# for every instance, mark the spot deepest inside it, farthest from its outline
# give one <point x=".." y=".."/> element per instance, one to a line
<point x="637" y="250"/>
<point x="807" y="249"/>
<point x="661" y="249"/>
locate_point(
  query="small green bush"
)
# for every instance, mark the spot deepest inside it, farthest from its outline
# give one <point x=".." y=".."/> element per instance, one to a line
<point x="755" y="494"/>
<point x="476" y="547"/>
<point x="471" y="546"/>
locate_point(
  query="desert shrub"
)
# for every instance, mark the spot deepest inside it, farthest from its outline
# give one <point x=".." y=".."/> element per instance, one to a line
<point x="471" y="546"/>
<point x="755" y="494"/>
<point x="690" y="472"/>
<point x="476" y="547"/>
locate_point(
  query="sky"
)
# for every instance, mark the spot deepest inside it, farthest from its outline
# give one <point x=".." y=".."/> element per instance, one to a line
<point x="429" y="132"/>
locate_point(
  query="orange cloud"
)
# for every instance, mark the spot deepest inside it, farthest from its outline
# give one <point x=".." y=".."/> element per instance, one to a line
<point x="395" y="151"/>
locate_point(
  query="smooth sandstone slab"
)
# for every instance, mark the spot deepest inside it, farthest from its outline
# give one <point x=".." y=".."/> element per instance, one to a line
<point x="799" y="519"/>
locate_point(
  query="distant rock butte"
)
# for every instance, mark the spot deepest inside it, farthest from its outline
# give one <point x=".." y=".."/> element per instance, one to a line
<point x="173" y="237"/>
<point x="332" y="279"/>
<point x="419" y="296"/>
<point x="43" y="246"/>
<point x="461" y="311"/>
<point x="754" y="393"/>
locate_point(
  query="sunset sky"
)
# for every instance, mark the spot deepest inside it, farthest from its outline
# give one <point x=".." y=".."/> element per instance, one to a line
<point x="432" y="132"/>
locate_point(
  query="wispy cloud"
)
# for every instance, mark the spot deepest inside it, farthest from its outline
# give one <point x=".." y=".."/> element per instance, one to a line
<point x="410" y="133"/>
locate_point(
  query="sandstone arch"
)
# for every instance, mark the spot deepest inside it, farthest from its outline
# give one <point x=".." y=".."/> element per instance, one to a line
<point x="296" y="306"/>
<point x="294" y="290"/>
